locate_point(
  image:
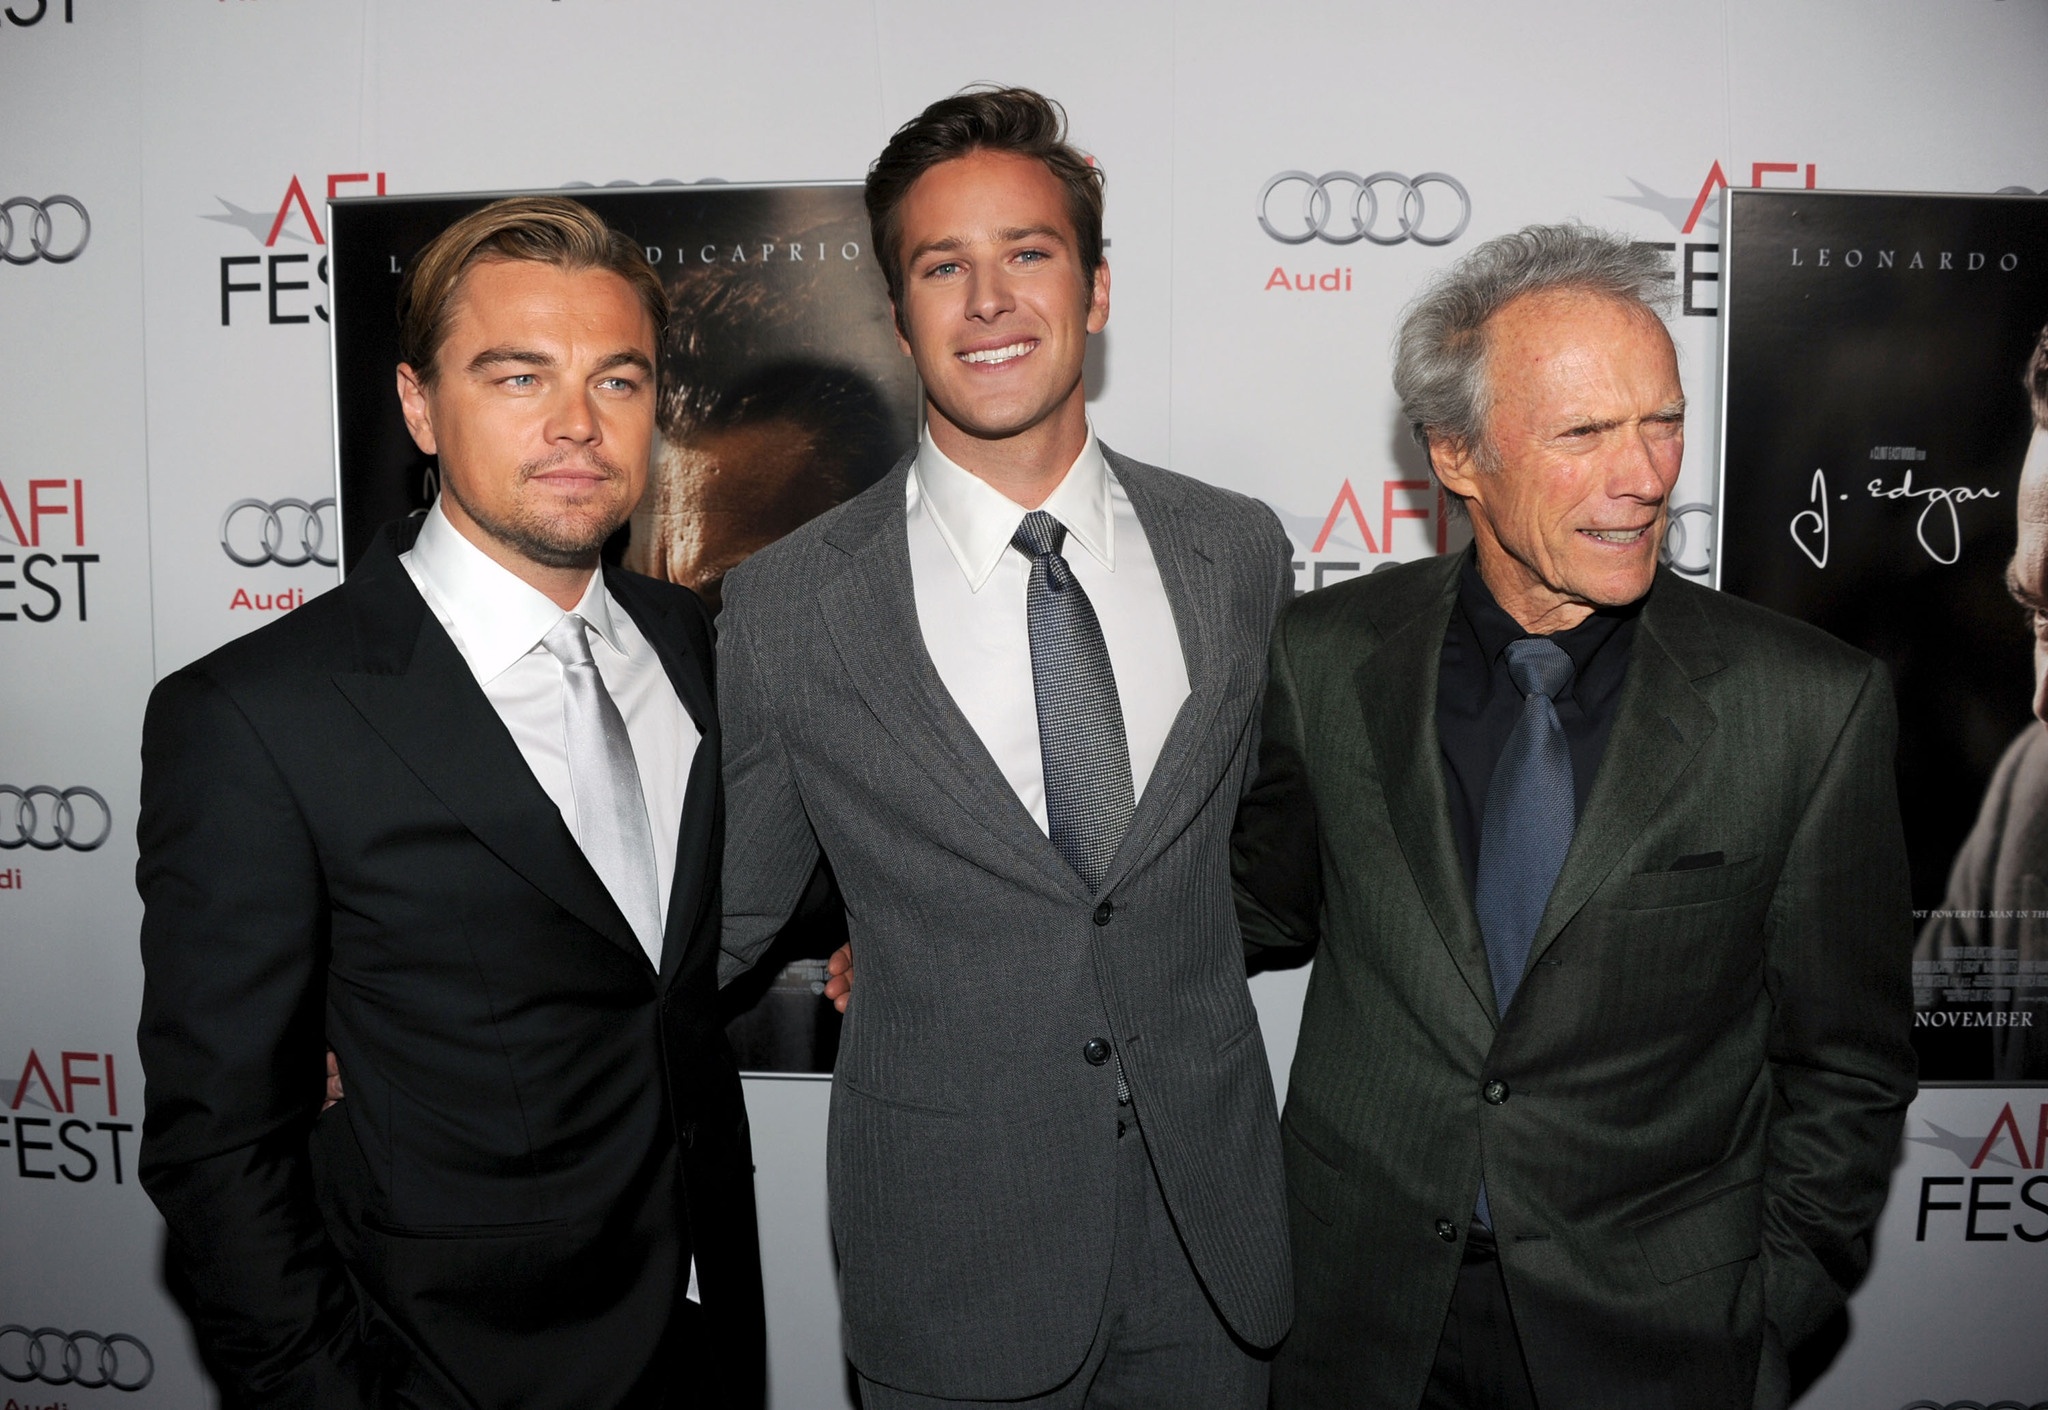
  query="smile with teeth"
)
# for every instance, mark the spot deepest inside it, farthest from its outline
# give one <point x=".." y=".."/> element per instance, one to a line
<point x="1616" y="535"/>
<point x="997" y="356"/>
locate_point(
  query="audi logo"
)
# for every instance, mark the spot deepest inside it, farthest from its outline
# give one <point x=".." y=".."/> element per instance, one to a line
<point x="288" y="545"/>
<point x="1677" y="535"/>
<point x="27" y="827"/>
<point x="1357" y="217"/>
<point x="38" y="228"/>
<point x="87" y="1360"/>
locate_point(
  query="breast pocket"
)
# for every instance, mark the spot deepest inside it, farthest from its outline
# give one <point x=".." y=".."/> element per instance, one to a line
<point x="1694" y="886"/>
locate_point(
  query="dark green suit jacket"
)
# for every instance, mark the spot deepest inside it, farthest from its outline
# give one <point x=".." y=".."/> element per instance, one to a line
<point x="1706" y="1069"/>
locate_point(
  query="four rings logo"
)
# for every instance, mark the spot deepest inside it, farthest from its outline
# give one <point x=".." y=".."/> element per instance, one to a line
<point x="87" y="1360"/>
<point x="61" y="824"/>
<point x="29" y="230"/>
<point x="1329" y="214"/>
<point x="288" y="532"/>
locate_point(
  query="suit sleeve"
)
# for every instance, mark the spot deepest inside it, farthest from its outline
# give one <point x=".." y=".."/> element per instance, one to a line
<point x="771" y="852"/>
<point x="1275" y="857"/>
<point x="1838" y="967"/>
<point x="231" y="1040"/>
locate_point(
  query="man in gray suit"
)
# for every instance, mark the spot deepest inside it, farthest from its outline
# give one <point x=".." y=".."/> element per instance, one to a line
<point x="1010" y="695"/>
<point x="1604" y="1060"/>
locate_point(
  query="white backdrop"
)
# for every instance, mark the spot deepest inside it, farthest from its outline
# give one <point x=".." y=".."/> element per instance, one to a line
<point x="140" y="397"/>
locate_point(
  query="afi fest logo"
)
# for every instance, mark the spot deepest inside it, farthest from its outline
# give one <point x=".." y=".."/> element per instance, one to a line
<point x="1362" y="527"/>
<point x="1698" y="214"/>
<point x="42" y="559"/>
<point x="50" y="1121"/>
<point x="1990" y="1208"/>
<point x="277" y="287"/>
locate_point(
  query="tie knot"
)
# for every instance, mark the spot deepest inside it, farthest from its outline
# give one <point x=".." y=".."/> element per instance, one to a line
<point x="568" y="641"/>
<point x="1539" y="666"/>
<point x="1039" y="535"/>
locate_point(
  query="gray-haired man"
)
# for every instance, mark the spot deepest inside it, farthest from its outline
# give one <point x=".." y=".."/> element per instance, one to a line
<point x="1605" y="1056"/>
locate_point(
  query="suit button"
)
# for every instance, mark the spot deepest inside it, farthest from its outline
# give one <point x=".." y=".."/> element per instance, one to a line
<point x="1495" y="1092"/>
<point x="1096" y="1050"/>
<point x="1447" y="1231"/>
<point x="1103" y="912"/>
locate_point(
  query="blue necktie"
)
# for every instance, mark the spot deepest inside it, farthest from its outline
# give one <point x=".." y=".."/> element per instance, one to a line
<point x="1531" y="811"/>
<point x="1088" y="795"/>
<point x="1530" y="815"/>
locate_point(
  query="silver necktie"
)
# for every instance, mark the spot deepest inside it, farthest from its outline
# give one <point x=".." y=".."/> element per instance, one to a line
<point x="611" y="811"/>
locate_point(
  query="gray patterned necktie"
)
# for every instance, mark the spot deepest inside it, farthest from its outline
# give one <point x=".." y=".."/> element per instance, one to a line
<point x="1531" y="812"/>
<point x="1088" y="795"/>
<point x="611" y="811"/>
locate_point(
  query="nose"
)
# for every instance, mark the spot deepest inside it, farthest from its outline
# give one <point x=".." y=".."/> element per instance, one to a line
<point x="572" y="416"/>
<point x="1645" y="466"/>
<point x="988" y="293"/>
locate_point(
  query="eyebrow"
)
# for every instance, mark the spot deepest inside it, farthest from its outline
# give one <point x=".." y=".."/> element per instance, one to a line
<point x="1670" y="411"/>
<point x="1007" y="236"/>
<point x="528" y="357"/>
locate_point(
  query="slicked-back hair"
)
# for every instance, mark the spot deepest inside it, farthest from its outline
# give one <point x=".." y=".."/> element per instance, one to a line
<point x="983" y="118"/>
<point x="549" y="230"/>
<point x="2037" y="379"/>
<point x="1440" y="348"/>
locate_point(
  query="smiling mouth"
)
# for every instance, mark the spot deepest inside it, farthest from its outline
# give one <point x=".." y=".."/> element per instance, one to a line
<point x="1621" y="537"/>
<point x="996" y="357"/>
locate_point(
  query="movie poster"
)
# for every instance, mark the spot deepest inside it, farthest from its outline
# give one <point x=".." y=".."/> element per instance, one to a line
<point x="784" y="393"/>
<point x="1875" y="428"/>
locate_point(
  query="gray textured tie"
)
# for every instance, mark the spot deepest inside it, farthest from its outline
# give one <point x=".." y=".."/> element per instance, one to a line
<point x="1530" y="817"/>
<point x="611" y="811"/>
<point x="1531" y="812"/>
<point x="1088" y="796"/>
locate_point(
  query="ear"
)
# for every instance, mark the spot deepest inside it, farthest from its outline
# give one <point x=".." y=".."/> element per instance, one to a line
<point x="1098" y="299"/>
<point x="1454" y="464"/>
<point x="419" y="417"/>
<point x="896" y="325"/>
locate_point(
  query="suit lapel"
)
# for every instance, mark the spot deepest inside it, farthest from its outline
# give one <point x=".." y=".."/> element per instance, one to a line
<point x="1660" y="722"/>
<point x="659" y="620"/>
<point x="1397" y="690"/>
<point x="870" y="612"/>
<point x="1198" y="592"/>
<point x="416" y="692"/>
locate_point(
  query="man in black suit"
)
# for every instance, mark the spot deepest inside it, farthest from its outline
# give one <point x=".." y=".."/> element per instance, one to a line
<point x="1604" y="1060"/>
<point x="460" y="819"/>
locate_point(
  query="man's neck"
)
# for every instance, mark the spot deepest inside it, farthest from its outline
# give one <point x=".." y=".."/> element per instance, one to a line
<point x="1027" y="467"/>
<point x="562" y="586"/>
<point x="1536" y="607"/>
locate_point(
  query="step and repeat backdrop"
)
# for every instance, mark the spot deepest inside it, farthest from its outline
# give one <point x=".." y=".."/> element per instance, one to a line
<point x="1282" y="178"/>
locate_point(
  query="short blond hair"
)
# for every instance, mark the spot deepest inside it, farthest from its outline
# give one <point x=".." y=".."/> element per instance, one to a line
<point x="549" y="230"/>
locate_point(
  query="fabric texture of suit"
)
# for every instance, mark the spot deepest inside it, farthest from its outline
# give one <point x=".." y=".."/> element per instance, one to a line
<point x="1705" y="1070"/>
<point x="972" y="1144"/>
<point x="342" y="846"/>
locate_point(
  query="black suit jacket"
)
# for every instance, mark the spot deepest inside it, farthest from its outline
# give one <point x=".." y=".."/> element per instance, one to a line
<point x="341" y="845"/>
<point x="1687" y="1118"/>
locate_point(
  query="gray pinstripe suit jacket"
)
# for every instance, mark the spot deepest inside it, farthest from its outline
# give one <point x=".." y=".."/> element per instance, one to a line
<point x="971" y="1144"/>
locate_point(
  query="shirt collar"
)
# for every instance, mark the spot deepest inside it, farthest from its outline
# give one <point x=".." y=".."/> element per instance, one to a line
<point x="976" y="520"/>
<point x="496" y="617"/>
<point x="1495" y="628"/>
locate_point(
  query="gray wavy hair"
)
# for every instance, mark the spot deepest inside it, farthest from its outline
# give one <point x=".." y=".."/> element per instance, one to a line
<point x="1440" y="349"/>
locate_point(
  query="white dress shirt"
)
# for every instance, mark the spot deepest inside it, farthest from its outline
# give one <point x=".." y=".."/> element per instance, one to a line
<point x="497" y="622"/>
<point x="971" y="588"/>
